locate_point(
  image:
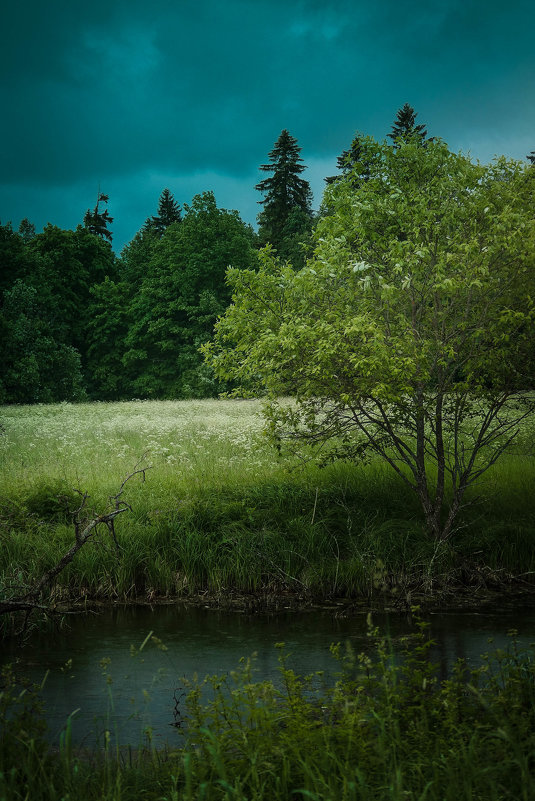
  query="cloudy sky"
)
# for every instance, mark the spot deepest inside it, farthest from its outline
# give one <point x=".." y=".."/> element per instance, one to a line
<point x="191" y="94"/>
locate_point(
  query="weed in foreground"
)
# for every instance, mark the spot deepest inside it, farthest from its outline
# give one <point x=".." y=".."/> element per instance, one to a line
<point x="386" y="729"/>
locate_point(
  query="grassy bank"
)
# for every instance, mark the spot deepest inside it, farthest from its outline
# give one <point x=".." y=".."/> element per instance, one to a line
<point x="385" y="730"/>
<point x="220" y="512"/>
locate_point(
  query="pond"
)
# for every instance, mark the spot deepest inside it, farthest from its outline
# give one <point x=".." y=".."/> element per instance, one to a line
<point x="99" y="676"/>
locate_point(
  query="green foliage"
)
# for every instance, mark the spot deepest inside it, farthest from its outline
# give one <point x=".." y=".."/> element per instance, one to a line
<point x="15" y="260"/>
<point x="404" y="128"/>
<point x="71" y="263"/>
<point x="385" y="730"/>
<point x="26" y="229"/>
<point x="351" y="165"/>
<point x="184" y="291"/>
<point x="37" y="366"/>
<point x="52" y="501"/>
<point x="45" y="312"/>
<point x="97" y="221"/>
<point x="106" y="332"/>
<point x="410" y="333"/>
<point x="287" y="210"/>
<point x="168" y="213"/>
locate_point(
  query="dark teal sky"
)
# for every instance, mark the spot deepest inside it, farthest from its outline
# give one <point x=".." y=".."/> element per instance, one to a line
<point x="191" y="94"/>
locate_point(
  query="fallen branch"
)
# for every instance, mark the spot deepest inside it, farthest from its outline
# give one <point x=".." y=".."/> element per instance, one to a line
<point x="84" y="529"/>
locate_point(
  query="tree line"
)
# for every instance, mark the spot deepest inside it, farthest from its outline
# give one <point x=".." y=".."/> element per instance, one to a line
<point x="77" y="322"/>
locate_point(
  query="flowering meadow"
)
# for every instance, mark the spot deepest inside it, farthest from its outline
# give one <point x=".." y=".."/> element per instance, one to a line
<point x="221" y="512"/>
<point x="94" y="445"/>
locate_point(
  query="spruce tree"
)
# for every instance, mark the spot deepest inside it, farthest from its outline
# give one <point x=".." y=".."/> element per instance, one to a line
<point x="285" y="191"/>
<point x="352" y="164"/>
<point x="97" y="221"/>
<point x="405" y="127"/>
<point x="168" y="213"/>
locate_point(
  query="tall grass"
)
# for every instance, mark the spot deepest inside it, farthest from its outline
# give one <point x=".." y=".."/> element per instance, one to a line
<point x="386" y="729"/>
<point x="221" y="512"/>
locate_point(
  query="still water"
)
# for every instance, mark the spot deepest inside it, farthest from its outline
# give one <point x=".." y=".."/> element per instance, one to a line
<point x="98" y="676"/>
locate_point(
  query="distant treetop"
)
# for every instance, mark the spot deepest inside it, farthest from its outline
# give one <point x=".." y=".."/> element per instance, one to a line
<point x="405" y="126"/>
<point x="169" y="212"/>
<point x="97" y="221"/>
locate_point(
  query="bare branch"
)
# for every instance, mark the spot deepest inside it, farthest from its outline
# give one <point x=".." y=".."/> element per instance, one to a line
<point x="84" y="530"/>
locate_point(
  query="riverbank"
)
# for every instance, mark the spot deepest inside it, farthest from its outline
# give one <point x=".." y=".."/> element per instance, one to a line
<point x="222" y="520"/>
<point x="383" y="728"/>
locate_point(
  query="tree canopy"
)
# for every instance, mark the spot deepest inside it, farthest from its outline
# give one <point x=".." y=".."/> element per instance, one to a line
<point x="410" y="332"/>
<point x="175" y="307"/>
<point x="347" y="161"/>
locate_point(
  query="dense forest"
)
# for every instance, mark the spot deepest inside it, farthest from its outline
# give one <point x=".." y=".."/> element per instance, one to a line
<point x="77" y="322"/>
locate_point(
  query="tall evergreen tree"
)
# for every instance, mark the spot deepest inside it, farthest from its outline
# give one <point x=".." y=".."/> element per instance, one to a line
<point x="531" y="157"/>
<point x="97" y="221"/>
<point x="405" y="127"/>
<point x="285" y="191"/>
<point x="169" y="212"/>
<point x="352" y="164"/>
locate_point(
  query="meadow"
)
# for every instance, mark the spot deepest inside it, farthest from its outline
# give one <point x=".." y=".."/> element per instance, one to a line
<point x="221" y="513"/>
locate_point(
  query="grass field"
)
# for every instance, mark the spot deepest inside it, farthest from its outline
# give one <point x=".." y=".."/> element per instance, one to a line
<point x="220" y="511"/>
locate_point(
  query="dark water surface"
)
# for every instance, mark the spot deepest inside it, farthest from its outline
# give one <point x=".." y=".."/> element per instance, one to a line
<point x="134" y="691"/>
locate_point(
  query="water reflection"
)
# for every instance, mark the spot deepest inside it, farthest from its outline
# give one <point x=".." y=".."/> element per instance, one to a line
<point x="96" y="668"/>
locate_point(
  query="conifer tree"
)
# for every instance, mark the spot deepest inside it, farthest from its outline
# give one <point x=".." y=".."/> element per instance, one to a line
<point x="352" y="164"/>
<point x="405" y="127"/>
<point x="531" y="157"/>
<point x="285" y="191"/>
<point x="97" y="221"/>
<point x="169" y="212"/>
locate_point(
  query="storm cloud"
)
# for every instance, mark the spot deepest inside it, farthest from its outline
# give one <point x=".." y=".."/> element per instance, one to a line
<point x="190" y="95"/>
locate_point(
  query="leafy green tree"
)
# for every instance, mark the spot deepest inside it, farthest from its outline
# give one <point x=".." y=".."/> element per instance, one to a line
<point x="405" y="127"/>
<point x="26" y="230"/>
<point x="97" y="221"/>
<point x="36" y="367"/>
<point x="531" y="158"/>
<point x="15" y="259"/>
<point x="175" y="309"/>
<point x="106" y="332"/>
<point x="44" y="309"/>
<point x="416" y="348"/>
<point x="168" y="213"/>
<point x="285" y="193"/>
<point x="70" y="262"/>
<point x="110" y="318"/>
